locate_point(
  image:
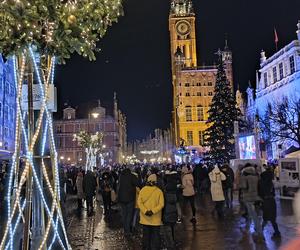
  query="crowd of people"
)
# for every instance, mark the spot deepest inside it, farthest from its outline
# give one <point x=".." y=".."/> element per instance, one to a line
<point x="162" y="194"/>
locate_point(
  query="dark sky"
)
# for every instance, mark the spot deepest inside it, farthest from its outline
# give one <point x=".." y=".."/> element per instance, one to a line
<point x="135" y="58"/>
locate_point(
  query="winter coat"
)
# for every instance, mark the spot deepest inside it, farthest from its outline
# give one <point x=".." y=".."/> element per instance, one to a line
<point x="79" y="186"/>
<point x="172" y="180"/>
<point x="188" y="184"/>
<point x="127" y="187"/>
<point x="249" y="185"/>
<point x="216" y="177"/>
<point x="89" y="184"/>
<point x="151" y="198"/>
<point x="267" y="193"/>
<point x="228" y="172"/>
<point x="170" y="210"/>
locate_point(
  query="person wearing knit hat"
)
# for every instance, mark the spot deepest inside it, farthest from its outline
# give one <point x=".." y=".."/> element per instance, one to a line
<point x="151" y="202"/>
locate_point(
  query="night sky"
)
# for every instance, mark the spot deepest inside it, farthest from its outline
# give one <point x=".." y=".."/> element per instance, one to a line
<point x="135" y="57"/>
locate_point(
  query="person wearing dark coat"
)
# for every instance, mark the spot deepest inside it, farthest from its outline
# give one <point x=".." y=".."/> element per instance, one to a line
<point x="170" y="214"/>
<point x="267" y="193"/>
<point x="228" y="185"/>
<point x="126" y="197"/>
<point x="106" y="186"/>
<point x="89" y="188"/>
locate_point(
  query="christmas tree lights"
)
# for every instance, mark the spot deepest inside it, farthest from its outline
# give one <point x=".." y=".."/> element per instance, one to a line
<point x="37" y="34"/>
<point x="92" y="145"/>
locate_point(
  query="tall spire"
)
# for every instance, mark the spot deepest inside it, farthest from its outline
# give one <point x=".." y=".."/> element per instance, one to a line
<point x="181" y="7"/>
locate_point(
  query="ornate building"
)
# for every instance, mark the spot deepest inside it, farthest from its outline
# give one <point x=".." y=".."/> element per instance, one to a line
<point x="193" y="86"/>
<point x="277" y="78"/>
<point x="155" y="148"/>
<point x="112" y="126"/>
<point x="7" y="108"/>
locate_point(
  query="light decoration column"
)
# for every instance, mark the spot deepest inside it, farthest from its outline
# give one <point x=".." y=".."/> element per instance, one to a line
<point x="37" y="34"/>
<point x="92" y="144"/>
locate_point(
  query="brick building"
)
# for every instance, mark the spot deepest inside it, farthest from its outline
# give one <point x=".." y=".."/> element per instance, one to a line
<point x="112" y="126"/>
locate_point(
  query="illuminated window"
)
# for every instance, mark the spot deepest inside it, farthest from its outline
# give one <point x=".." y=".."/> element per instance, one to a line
<point x="201" y="138"/>
<point x="190" y="140"/>
<point x="274" y="70"/>
<point x="200" y="113"/>
<point x="292" y="64"/>
<point x="281" y="71"/>
<point x="188" y="114"/>
<point x="210" y="93"/>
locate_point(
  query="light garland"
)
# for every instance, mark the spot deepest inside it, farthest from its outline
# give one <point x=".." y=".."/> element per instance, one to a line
<point x="47" y="136"/>
<point x="92" y="145"/>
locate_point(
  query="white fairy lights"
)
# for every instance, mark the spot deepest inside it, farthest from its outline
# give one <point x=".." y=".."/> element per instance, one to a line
<point x="44" y="129"/>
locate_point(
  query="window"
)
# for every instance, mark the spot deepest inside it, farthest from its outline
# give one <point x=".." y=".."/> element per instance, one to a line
<point x="189" y="136"/>
<point x="188" y="113"/>
<point x="201" y="138"/>
<point x="6" y="132"/>
<point x="274" y="74"/>
<point x="200" y="113"/>
<point x="210" y="93"/>
<point x="69" y="116"/>
<point x="198" y="93"/>
<point x="198" y="84"/>
<point x="187" y="94"/>
<point x="187" y="84"/>
<point x="12" y="114"/>
<point x="266" y="79"/>
<point x="12" y="90"/>
<point x="7" y="89"/>
<point x="209" y="84"/>
<point x="280" y="71"/>
<point x="0" y="109"/>
<point x="292" y="64"/>
<point x="6" y="112"/>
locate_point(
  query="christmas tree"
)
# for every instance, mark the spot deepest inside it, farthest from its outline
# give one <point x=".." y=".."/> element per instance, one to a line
<point x="219" y="136"/>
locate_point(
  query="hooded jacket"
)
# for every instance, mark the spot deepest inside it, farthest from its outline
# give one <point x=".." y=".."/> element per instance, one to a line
<point x="249" y="184"/>
<point x="151" y="198"/>
<point x="216" y="177"/>
<point x="187" y="182"/>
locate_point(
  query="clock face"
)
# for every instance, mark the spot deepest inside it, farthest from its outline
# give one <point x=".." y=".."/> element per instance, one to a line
<point x="183" y="28"/>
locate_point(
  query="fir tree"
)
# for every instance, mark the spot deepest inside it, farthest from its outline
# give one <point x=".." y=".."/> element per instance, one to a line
<point x="219" y="137"/>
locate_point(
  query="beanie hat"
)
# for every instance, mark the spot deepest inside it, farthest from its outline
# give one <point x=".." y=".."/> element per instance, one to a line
<point x="152" y="178"/>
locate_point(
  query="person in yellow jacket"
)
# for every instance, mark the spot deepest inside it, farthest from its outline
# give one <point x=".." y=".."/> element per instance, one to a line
<point x="151" y="203"/>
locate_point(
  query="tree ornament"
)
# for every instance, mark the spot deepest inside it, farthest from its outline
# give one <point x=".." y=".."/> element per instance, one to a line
<point x="72" y="19"/>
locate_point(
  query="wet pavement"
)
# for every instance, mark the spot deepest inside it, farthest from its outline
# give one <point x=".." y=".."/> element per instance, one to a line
<point x="99" y="232"/>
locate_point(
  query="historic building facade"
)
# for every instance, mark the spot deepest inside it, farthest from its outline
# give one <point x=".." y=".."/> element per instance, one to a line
<point x="155" y="148"/>
<point x="193" y="86"/>
<point x="112" y="126"/>
<point x="7" y="108"/>
<point x="277" y="78"/>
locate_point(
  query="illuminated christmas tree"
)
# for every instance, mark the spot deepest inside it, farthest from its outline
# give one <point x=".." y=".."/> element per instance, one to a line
<point x="223" y="112"/>
<point x="37" y="34"/>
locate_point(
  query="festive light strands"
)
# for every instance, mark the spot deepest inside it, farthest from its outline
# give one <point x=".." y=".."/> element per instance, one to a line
<point x="48" y="128"/>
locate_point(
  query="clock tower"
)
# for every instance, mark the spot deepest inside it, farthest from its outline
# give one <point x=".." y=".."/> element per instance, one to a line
<point x="182" y="32"/>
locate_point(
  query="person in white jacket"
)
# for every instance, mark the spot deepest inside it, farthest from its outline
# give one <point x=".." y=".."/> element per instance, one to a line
<point x="188" y="191"/>
<point x="216" y="177"/>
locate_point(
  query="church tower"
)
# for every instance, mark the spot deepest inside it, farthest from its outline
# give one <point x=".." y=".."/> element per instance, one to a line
<point x="183" y="32"/>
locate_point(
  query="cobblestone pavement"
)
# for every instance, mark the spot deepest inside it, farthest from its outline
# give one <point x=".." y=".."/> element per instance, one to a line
<point x="99" y="232"/>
